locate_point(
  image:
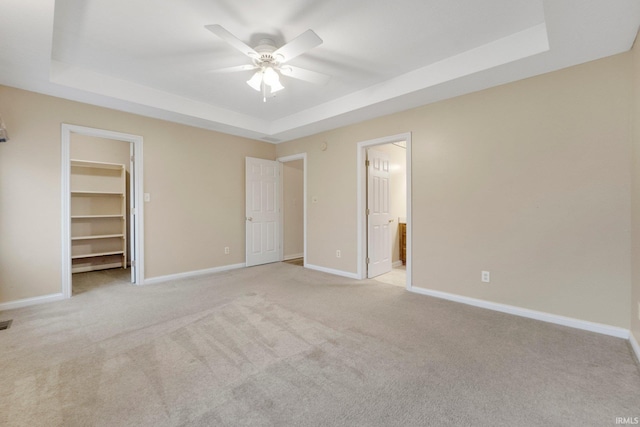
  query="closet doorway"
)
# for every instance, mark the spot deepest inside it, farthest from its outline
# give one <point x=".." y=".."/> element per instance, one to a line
<point x="102" y="216"/>
<point x="294" y="209"/>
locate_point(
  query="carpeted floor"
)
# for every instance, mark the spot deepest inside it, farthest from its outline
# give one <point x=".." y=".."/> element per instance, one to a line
<point x="280" y="345"/>
<point x="295" y="261"/>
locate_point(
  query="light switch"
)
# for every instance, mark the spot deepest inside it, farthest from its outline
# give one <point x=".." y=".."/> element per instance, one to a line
<point x="147" y="197"/>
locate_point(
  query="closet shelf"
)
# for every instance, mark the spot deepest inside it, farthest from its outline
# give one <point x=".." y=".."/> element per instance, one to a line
<point x="97" y="193"/>
<point x="103" y="236"/>
<point x="100" y="165"/>
<point x="97" y="254"/>
<point x="96" y="216"/>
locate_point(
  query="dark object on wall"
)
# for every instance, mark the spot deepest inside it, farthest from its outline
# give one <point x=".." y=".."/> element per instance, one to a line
<point x="4" y="136"/>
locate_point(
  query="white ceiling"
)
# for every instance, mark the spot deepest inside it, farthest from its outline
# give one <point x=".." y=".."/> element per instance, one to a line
<point x="155" y="58"/>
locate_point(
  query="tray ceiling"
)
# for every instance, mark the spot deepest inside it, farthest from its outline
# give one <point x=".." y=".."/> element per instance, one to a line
<point x="156" y="59"/>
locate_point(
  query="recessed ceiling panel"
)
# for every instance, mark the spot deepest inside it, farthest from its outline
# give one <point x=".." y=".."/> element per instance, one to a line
<point x="169" y="49"/>
<point x="157" y="59"/>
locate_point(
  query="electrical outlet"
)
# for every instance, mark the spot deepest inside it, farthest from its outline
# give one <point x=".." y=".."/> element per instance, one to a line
<point x="227" y="251"/>
<point x="486" y="276"/>
<point x="338" y="253"/>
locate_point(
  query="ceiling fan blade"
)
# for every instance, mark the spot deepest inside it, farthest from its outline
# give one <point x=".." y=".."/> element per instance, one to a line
<point x="225" y="35"/>
<point x="304" y="42"/>
<point x="247" y="67"/>
<point x="306" y="75"/>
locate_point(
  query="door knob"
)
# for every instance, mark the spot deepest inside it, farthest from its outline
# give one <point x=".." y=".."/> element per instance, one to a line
<point x="390" y="221"/>
<point x="249" y="218"/>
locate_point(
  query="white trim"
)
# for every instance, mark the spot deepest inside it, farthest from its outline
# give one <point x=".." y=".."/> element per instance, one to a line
<point x="396" y="264"/>
<point x="294" y="256"/>
<point x="26" y="302"/>
<point x="531" y="314"/>
<point x="634" y="345"/>
<point x="281" y="210"/>
<point x="332" y="271"/>
<point x="409" y="218"/>
<point x="137" y="142"/>
<point x="303" y="157"/>
<point x="361" y="187"/>
<point x="195" y="273"/>
<point x="65" y="241"/>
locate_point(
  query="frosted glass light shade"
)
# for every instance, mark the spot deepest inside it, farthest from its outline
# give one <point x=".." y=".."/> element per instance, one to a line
<point x="276" y="86"/>
<point x="270" y="76"/>
<point x="256" y="81"/>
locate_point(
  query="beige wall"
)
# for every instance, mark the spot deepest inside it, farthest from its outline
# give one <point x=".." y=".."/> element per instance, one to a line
<point x="293" y="209"/>
<point x="635" y="191"/>
<point x="195" y="177"/>
<point x="84" y="147"/>
<point x="331" y="181"/>
<point x="529" y="180"/>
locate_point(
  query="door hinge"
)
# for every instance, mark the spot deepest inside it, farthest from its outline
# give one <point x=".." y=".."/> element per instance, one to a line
<point x="368" y="260"/>
<point x="133" y="159"/>
<point x="133" y="211"/>
<point x="368" y="211"/>
<point x="367" y="163"/>
<point x="133" y="263"/>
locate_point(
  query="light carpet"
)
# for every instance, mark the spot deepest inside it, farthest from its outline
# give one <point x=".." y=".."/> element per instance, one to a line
<point x="280" y="345"/>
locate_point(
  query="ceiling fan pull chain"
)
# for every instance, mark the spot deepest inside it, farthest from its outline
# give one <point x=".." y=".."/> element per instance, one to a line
<point x="264" y="91"/>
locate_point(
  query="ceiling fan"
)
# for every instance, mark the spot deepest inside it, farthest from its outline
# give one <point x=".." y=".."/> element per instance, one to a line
<point x="271" y="61"/>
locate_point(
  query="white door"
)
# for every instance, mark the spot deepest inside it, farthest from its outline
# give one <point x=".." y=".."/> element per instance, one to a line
<point x="378" y="214"/>
<point x="262" y="211"/>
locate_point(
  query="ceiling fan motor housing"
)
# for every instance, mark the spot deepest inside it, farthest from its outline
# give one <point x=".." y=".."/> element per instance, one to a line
<point x="265" y="48"/>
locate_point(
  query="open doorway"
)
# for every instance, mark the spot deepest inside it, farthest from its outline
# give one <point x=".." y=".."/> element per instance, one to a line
<point x="384" y="203"/>
<point x="100" y="203"/>
<point x="293" y="212"/>
<point x="101" y="195"/>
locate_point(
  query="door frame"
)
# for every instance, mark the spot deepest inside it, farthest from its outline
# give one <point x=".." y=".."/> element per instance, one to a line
<point x="138" y="249"/>
<point x="362" y="200"/>
<point x="285" y="159"/>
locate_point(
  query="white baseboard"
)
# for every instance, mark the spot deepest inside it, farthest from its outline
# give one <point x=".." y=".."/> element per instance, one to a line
<point x="195" y="273"/>
<point x="531" y="314"/>
<point x="332" y="271"/>
<point x="396" y="264"/>
<point x="294" y="256"/>
<point x="634" y="345"/>
<point x="26" y="302"/>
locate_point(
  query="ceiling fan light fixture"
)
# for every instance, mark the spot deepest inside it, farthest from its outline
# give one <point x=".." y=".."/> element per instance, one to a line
<point x="267" y="76"/>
